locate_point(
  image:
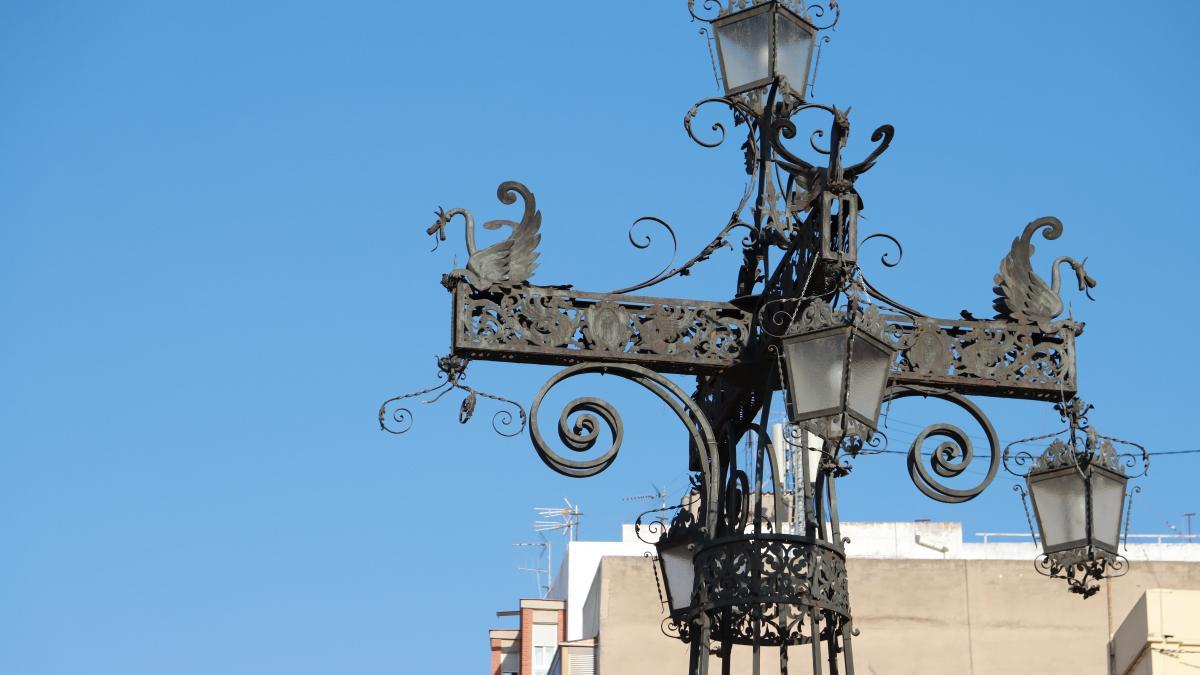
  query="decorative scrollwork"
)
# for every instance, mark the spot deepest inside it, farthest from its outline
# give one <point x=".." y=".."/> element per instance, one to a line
<point x="1081" y="568"/>
<point x="582" y="434"/>
<point x="645" y="244"/>
<point x="557" y="325"/>
<point x="884" y="258"/>
<point x="996" y="357"/>
<point x="812" y="141"/>
<point x="751" y="584"/>
<point x="679" y="629"/>
<point x="882" y="135"/>
<point x="951" y="457"/>
<point x="817" y="11"/>
<point x="1083" y="445"/>
<point x="712" y="8"/>
<point x="814" y="13"/>
<point x="738" y="114"/>
<point x="719" y="241"/>
<point x="397" y="419"/>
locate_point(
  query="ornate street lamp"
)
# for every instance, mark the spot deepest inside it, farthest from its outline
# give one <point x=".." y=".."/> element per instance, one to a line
<point x="1078" y="490"/>
<point x="762" y="43"/>
<point x="756" y="557"/>
<point x="837" y="365"/>
<point x="676" y="549"/>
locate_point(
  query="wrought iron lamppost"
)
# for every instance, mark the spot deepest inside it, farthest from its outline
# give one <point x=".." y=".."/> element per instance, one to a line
<point x="755" y="556"/>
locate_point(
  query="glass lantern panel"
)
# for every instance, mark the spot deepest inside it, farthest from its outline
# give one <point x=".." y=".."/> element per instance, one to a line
<point x="815" y="368"/>
<point x="1060" y="506"/>
<point x="870" y="363"/>
<point x="745" y="50"/>
<point x="679" y="573"/>
<point x="793" y="49"/>
<point x="1108" y="496"/>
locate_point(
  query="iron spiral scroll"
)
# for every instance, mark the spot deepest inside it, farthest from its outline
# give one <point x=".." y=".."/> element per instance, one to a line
<point x="952" y="456"/>
<point x="396" y="418"/>
<point x="579" y="427"/>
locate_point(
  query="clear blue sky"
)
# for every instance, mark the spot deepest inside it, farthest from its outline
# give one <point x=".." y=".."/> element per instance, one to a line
<point x="213" y="267"/>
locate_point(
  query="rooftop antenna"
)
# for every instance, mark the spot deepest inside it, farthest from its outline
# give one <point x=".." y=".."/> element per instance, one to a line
<point x="1188" y="517"/>
<point x="544" y="544"/>
<point x="659" y="495"/>
<point x="568" y="523"/>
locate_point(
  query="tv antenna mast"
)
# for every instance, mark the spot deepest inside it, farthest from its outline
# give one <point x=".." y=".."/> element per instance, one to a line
<point x="568" y="522"/>
<point x="659" y="495"/>
<point x="547" y="552"/>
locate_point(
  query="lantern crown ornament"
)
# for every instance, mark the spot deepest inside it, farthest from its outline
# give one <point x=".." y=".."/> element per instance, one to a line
<point x="1078" y="486"/>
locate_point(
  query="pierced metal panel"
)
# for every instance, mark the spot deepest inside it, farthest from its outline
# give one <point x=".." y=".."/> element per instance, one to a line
<point x="989" y="358"/>
<point x="561" y="326"/>
<point x="539" y="324"/>
<point x="743" y="581"/>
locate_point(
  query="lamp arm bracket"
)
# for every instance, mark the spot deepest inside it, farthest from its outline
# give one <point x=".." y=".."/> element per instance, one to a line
<point x="953" y="455"/>
<point x="579" y="428"/>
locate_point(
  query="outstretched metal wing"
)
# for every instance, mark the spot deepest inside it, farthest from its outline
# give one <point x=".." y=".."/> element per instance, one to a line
<point x="1022" y="295"/>
<point x="513" y="260"/>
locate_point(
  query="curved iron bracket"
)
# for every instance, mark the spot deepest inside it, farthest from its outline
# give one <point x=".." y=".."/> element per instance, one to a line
<point x="952" y="457"/>
<point x="581" y="433"/>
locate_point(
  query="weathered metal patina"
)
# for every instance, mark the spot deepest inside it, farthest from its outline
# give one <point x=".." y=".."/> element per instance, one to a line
<point x="767" y="556"/>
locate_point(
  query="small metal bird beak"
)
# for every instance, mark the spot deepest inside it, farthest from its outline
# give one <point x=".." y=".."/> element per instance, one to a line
<point x="1086" y="282"/>
<point x="438" y="227"/>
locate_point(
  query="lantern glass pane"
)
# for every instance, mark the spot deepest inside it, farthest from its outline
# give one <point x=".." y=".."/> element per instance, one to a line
<point x="745" y="49"/>
<point x="679" y="573"/>
<point x="1108" y="496"/>
<point x="869" y="366"/>
<point x="1060" y="505"/>
<point x="815" y="369"/>
<point x="793" y="48"/>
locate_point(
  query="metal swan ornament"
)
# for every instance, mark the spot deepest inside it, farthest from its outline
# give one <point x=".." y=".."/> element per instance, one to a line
<point x="1022" y="295"/>
<point x="507" y="263"/>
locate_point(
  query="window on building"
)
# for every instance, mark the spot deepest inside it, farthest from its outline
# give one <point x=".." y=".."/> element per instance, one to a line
<point x="545" y="643"/>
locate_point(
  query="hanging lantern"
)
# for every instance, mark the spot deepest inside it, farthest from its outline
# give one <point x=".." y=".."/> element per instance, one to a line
<point x="837" y="365"/>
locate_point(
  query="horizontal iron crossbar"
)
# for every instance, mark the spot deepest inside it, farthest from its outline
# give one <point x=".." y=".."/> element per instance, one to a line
<point x="563" y="326"/>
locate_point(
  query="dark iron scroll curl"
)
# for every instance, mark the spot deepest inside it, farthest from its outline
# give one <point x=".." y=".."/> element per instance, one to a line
<point x="739" y="117"/>
<point x="1081" y="572"/>
<point x="579" y="428"/>
<point x="396" y="418"/>
<point x="885" y="258"/>
<point x="817" y="11"/>
<point x="882" y="135"/>
<point x="953" y="455"/>
<point x="822" y="15"/>
<point x="711" y="9"/>
<point x="667" y="272"/>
